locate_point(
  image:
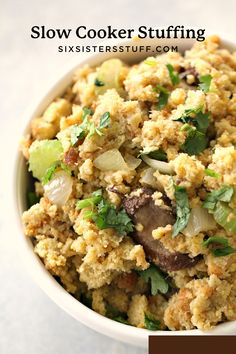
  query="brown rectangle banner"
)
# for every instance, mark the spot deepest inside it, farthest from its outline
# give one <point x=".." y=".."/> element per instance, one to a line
<point x="192" y="344"/>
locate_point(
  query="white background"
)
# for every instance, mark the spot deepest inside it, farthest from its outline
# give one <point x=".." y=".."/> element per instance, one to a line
<point x="29" y="321"/>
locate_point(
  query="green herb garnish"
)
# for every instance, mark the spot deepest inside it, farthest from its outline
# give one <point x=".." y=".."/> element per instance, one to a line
<point x="222" y="251"/>
<point x="112" y="311"/>
<point x="163" y="96"/>
<point x="211" y="173"/>
<point x="90" y="202"/>
<point x="223" y="194"/>
<point x="92" y="130"/>
<point x="188" y="114"/>
<point x="195" y="116"/>
<point x="201" y="121"/>
<point x="98" y="82"/>
<point x="121" y="319"/>
<point x="79" y="132"/>
<point x="151" y="324"/>
<point x="32" y="199"/>
<point x="50" y="172"/>
<point x="105" y="215"/>
<point x="116" y="315"/>
<point x="105" y="120"/>
<point x="108" y="217"/>
<point x="182" y="210"/>
<point x="52" y="169"/>
<point x="215" y="239"/>
<point x="104" y="123"/>
<point x="88" y="128"/>
<point x="173" y="75"/>
<point x="196" y="140"/>
<point x="85" y="300"/>
<point x="159" y="154"/>
<point x="205" y="83"/>
<point x="156" y="278"/>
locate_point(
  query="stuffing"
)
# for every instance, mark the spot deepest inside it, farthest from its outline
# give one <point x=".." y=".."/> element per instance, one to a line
<point x="131" y="203"/>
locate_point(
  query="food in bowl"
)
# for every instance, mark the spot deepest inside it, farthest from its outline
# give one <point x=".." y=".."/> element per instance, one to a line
<point x="132" y="206"/>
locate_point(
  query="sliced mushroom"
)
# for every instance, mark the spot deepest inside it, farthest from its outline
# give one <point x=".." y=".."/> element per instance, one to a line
<point x="142" y="210"/>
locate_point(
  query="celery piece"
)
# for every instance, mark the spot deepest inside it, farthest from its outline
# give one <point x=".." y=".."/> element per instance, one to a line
<point x="225" y="216"/>
<point x="42" y="155"/>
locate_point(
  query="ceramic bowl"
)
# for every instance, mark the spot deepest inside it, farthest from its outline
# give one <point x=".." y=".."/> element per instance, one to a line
<point x="45" y="280"/>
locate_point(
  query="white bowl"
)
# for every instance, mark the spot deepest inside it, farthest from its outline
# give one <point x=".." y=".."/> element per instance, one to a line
<point x="45" y="280"/>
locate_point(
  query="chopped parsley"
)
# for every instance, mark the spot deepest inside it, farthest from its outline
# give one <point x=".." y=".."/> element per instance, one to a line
<point x="105" y="120"/>
<point x="205" y="83"/>
<point x="32" y="199"/>
<point x="151" y="324"/>
<point x="92" y="130"/>
<point x="88" y="128"/>
<point x="108" y="217"/>
<point x="156" y="278"/>
<point x="223" y="249"/>
<point x="85" y="300"/>
<point x="163" y="96"/>
<point x="112" y="311"/>
<point x="98" y="82"/>
<point x="188" y="115"/>
<point x="116" y="315"/>
<point x="52" y="169"/>
<point x="105" y="215"/>
<point x="121" y="319"/>
<point x="90" y="202"/>
<point x="173" y="75"/>
<point x="222" y="252"/>
<point x="215" y="239"/>
<point x="182" y="210"/>
<point x="196" y="140"/>
<point x="201" y="121"/>
<point x="223" y="194"/>
<point x="211" y="173"/>
<point x="79" y="132"/>
<point x="195" y="116"/>
<point x="86" y="113"/>
<point x="159" y="154"/>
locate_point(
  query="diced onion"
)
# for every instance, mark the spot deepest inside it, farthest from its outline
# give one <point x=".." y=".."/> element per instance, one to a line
<point x="110" y="160"/>
<point x="148" y="179"/>
<point x="109" y="73"/>
<point x="161" y="166"/>
<point x="132" y="161"/>
<point x="59" y="188"/>
<point x="200" y="220"/>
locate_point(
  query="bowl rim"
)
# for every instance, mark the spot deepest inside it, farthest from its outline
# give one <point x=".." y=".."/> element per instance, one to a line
<point x="90" y="318"/>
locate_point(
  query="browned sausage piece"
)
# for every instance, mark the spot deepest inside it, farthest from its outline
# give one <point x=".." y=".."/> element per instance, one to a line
<point x="71" y="157"/>
<point x="142" y="210"/>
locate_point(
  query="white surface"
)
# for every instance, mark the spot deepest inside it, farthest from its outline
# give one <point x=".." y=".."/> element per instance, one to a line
<point x="29" y="321"/>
